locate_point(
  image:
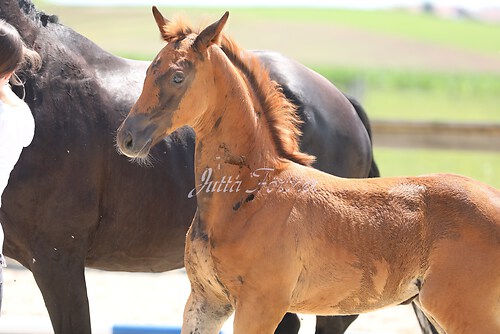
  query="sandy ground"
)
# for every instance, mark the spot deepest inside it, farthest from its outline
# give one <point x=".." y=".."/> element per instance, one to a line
<point x="149" y="299"/>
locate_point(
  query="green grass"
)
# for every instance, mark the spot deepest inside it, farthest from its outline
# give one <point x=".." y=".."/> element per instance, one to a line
<point x="410" y="95"/>
<point x="482" y="166"/>
<point x="443" y="82"/>
<point x="432" y="106"/>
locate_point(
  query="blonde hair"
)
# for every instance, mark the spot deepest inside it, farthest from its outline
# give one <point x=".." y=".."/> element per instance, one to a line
<point x="14" y="54"/>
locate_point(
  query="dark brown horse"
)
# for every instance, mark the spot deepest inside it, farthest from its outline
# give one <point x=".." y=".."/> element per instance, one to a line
<point x="67" y="207"/>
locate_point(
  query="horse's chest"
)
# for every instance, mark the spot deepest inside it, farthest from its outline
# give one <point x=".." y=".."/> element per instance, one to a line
<point x="200" y="266"/>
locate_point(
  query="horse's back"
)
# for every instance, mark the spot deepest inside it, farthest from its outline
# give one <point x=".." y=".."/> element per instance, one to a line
<point x="394" y="238"/>
<point x="454" y="195"/>
<point x="431" y="207"/>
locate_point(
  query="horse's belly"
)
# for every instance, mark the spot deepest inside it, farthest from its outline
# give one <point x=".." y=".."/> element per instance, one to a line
<point x="352" y="287"/>
<point x="345" y="302"/>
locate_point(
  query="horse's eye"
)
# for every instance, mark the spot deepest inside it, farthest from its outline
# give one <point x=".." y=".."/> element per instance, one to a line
<point x="178" y="77"/>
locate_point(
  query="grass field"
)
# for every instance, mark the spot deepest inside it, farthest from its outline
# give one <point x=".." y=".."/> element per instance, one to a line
<point x="411" y="95"/>
<point x="397" y="88"/>
<point x="482" y="166"/>
<point x="442" y="76"/>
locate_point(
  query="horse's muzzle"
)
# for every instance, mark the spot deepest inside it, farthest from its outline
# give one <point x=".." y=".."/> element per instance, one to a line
<point x="133" y="140"/>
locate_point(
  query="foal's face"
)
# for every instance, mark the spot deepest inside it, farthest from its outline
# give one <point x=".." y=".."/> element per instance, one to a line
<point x="177" y="90"/>
<point x="167" y="101"/>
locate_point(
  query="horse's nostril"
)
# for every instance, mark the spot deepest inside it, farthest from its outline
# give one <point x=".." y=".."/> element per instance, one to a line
<point x="128" y="140"/>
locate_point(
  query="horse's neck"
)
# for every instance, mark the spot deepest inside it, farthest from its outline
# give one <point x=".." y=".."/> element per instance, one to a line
<point x="234" y="146"/>
<point x="23" y="19"/>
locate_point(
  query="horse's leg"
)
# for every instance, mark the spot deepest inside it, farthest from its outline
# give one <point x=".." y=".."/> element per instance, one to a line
<point x="462" y="290"/>
<point x="433" y="325"/>
<point x="426" y="325"/>
<point x="259" y="313"/>
<point x="203" y="314"/>
<point x="324" y="325"/>
<point x="60" y="277"/>
<point x="459" y="314"/>
<point x="334" y="325"/>
<point x="290" y="324"/>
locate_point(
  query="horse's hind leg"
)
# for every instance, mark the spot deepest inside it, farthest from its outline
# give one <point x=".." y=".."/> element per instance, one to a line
<point x="426" y="324"/>
<point x="458" y="315"/>
<point x="462" y="289"/>
<point x="290" y="324"/>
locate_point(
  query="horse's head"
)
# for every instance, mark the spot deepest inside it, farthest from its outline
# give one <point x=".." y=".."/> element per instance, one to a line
<point x="177" y="88"/>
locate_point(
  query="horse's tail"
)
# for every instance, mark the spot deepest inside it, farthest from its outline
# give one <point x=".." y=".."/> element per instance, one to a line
<point x="374" y="171"/>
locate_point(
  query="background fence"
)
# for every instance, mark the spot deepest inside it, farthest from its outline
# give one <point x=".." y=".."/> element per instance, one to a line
<point x="436" y="135"/>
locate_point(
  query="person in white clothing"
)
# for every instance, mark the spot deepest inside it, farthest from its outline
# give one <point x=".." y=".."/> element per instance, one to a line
<point x="17" y="126"/>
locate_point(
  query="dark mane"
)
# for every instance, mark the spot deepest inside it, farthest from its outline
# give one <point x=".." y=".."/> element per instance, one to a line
<point x="29" y="9"/>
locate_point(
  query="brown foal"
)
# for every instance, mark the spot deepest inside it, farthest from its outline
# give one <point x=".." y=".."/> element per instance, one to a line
<point x="273" y="235"/>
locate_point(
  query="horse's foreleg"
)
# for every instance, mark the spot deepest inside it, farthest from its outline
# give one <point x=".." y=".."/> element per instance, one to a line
<point x="259" y="314"/>
<point x="61" y="279"/>
<point x="334" y="325"/>
<point x="290" y="324"/>
<point x="204" y="315"/>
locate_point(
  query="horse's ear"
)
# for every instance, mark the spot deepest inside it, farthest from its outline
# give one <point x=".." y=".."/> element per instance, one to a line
<point x="211" y="34"/>
<point x="162" y="23"/>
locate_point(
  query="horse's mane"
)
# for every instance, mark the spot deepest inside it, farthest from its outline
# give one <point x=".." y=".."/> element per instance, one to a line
<point x="29" y="9"/>
<point x="279" y="113"/>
